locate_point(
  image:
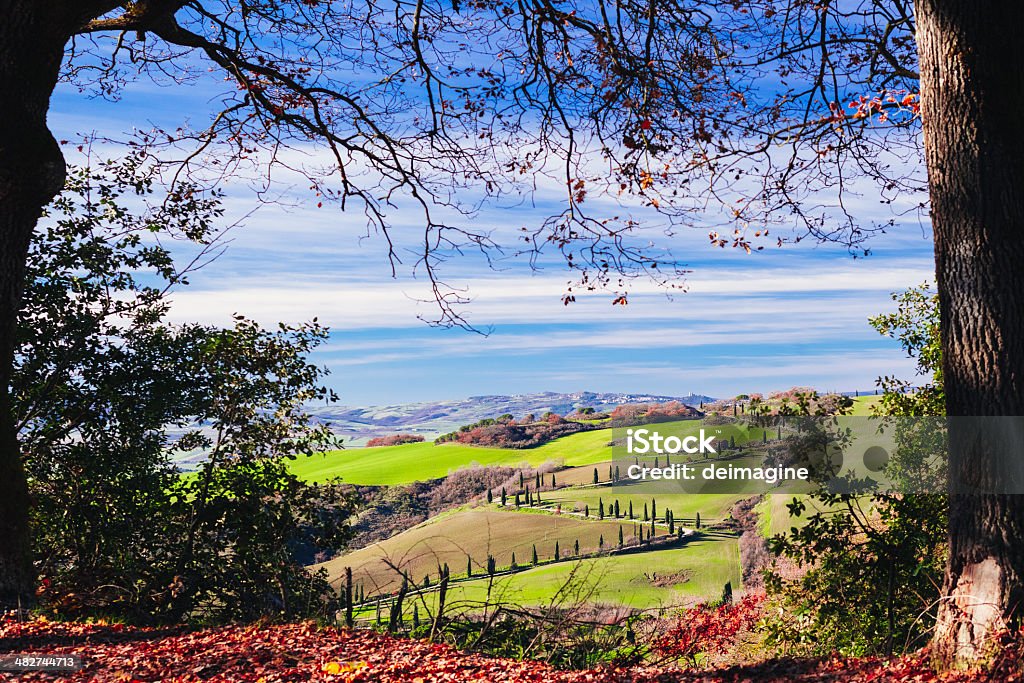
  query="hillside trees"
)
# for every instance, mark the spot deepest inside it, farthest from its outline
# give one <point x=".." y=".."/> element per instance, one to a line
<point x="105" y="391"/>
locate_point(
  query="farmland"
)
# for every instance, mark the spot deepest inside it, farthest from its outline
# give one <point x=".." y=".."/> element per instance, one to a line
<point x="393" y="465"/>
<point x="652" y="579"/>
<point x="573" y="512"/>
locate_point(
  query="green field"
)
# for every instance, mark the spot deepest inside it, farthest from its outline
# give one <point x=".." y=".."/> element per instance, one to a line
<point x="674" y="577"/>
<point x="475" y="533"/>
<point x="392" y="465"/>
<point x="652" y="578"/>
<point x="685" y="506"/>
<point x="862" y="405"/>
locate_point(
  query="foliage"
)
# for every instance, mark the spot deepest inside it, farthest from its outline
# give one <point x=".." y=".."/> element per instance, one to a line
<point x="105" y="393"/>
<point x="709" y="628"/>
<point x="873" y="574"/>
<point x="874" y="562"/>
<point x="916" y="325"/>
<point x="508" y="434"/>
<point x="394" y="440"/>
<point x="295" y="653"/>
<point x="633" y="414"/>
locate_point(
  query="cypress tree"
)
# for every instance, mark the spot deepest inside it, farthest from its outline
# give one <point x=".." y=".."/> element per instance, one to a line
<point x="732" y="441"/>
<point x="469" y="566"/>
<point x="600" y="542"/>
<point x="553" y="484"/>
<point x="537" y="480"/>
<point x="518" y="502"/>
<point x="645" y="512"/>
<point x="600" y="508"/>
<point x="595" y="475"/>
<point x="349" y="598"/>
<point x="654" y="510"/>
<point x="616" y="473"/>
<point x="609" y="472"/>
<point x="490" y="496"/>
<point x="520" y="479"/>
<point x="490" y="565"/>
<point x="533" y="559"/>
<point x="616" y="508"/>
<point x="586" y="510"/>
<point x="671" y="523"/>
<point x="415" y="616"/>
<point x="698" y="520"/>
<point x="557" y="553"/>
<point x="621" y="540"/>
<point x="667" y="463"/>
<point x="513" y="564"/>
<point x="504" y="496"/>
<point x="656" y="461"/>
<point x="576" y="547"/>
<point x="631" y="509"/>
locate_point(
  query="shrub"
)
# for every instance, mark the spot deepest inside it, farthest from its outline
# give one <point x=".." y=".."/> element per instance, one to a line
<point x="632" y="414"/>
<point x="394" y="440"/>
<point x="709" y="628"/>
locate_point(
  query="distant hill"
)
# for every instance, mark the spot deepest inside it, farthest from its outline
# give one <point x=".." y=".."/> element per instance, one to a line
<point x="429" y="419"/>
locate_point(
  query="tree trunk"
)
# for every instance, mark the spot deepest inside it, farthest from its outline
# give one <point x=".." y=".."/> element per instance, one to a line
<point x="972" y="94"/>
<point x="31" y="173"/>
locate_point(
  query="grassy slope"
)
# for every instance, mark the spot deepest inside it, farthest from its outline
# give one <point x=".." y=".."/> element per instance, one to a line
<point x="699" y="570"/>
<point x="862" y="404"/>
<point x="711" y="506"/>
<point x="391" y="465"/>
<point x="695" y="572"/>
<point x="476" y="532"/>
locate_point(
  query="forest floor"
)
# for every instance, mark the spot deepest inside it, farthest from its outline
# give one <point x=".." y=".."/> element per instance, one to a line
<point x="305" y="652"/>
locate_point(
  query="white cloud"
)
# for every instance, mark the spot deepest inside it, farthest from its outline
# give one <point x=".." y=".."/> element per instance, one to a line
<point x="717" y="294"/>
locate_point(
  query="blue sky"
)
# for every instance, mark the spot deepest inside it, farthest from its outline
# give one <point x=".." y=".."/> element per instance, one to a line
<point x="795" y="315"/>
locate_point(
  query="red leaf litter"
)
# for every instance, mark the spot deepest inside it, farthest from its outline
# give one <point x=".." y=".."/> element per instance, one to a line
<point x="306" y="652"/>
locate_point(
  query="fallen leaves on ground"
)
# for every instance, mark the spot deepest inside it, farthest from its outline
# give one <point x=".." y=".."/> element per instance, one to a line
<point x="306" y="652"/>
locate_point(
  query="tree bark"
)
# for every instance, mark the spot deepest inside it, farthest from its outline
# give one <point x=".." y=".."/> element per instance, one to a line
<point x="31" y="173"/>
<point x="972" y="95"/>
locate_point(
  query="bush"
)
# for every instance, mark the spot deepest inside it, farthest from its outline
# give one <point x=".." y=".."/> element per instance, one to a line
<point x="511" y="435"/>
<point x="394" y="440"/>
<point x="709" y="628"/>
<point x="633" y="414"/>
<point x="106" y="392"/>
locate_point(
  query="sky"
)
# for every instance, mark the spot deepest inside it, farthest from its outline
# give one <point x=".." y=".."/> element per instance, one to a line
<point x="781" y="317"/>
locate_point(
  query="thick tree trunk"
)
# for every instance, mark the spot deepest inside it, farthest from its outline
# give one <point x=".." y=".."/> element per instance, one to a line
<point x="972" y="94"/>
<point x="31" y="172"/>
